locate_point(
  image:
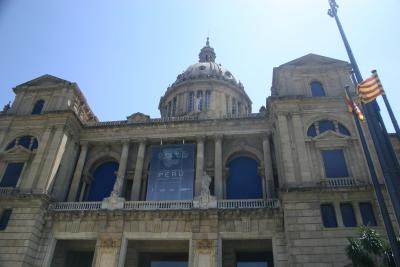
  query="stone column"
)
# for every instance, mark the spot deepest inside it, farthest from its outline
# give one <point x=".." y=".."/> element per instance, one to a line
<point x="302" y="156"/>
<point x="119" y="182"/>
<point x="73" y="191"/>
<point x="286" y="150"/>
<point x="107" y="251"/>
<point x="204" y="253"/>
<point x="34" y="170"/>
<point x="199" y="164"/>
<point x="218" y="180"/>
<point x="137" y="178"/>
<point x="269" y="178"/>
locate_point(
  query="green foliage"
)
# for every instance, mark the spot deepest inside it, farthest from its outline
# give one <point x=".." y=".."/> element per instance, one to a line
<point x="369" y="250"/>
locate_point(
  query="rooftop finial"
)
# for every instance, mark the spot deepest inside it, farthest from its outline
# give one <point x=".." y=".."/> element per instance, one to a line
<point x="207" y="53"/>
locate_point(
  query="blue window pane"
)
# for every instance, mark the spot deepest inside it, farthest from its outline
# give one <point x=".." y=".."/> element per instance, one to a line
<point x="334" y="163"/>
<point x="326" y="126"/>
<point x="312" y="132"/>
<point x="169" y="264"/>
<point x="317" y="89"/>
<point x="243" y="181"/>
<point x="34" y="144"/>
<point x="252" y="264"/>
<point x="37" y="109"/>
<point x="343" y="130"/>
<point x="5" y="217"/>
<point x="367" y="214"/>
<point x="25" y="141"/>
<point x="103" y="181"/>
<point x="11" y="145"/>
<point x="328" y="215"/>
<point x="349" y="219"/>
<point x="11" y="175"/>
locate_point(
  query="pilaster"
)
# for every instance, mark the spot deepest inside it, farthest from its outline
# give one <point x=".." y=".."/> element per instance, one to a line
<point x="72" y="196"/>
<point x="199" y="164"/>
<point x="218" y="179"/>
<point x="137" y="178"/>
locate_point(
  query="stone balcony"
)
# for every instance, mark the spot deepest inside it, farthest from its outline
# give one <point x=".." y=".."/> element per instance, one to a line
<point x="341" y="182"/>
<point x="168" y="205"/>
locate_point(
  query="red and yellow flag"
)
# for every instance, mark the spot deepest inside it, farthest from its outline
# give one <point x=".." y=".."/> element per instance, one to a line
<point x="370" y="88"/>
<point x="352" y="106"/>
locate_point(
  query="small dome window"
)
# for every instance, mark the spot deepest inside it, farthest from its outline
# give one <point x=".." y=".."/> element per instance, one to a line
<point x="322" y="126"/>
<point x="202" y="67"/>
<point x="228" y="74"/>
<point x="38" y="107"/>
<point x="27" y="141"/>
<point x="317" y="89"/>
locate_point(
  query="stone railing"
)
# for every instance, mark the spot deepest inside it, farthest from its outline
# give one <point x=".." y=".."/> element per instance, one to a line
<point x="5" y="191"/>
<point x="159" y="205"/>
<point x="167" y="205"/>
<point x="248" y="203"/>
<point x="70" y="206"/>
<point x="341" y="182"/>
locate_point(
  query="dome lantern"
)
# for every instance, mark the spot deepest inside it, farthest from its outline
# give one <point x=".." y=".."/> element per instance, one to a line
<point x="207" y="53"/>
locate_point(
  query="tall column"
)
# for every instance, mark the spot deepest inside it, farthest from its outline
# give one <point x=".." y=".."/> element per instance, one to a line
<point x="269" y="178"/>
<point x="199" y="164"/>
<point x="72" y="196"/>
<point x="286" y="150"/>
<point x="218" y="182"/>
<point x="137" y="178"/>
<point x="119" y="182"/>
<point x="34" y="170"/>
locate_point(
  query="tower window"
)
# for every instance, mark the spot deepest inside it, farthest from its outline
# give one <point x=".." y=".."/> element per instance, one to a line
<point x="367" y="214"/>
<point x="317" y="89"/>
<point x="334" y="163"/>
<point x="349" y="219"/>
<point x="38" y="107"/>
<point x="5" y="217"/>
<point x="174" y="107"/>
<point x="169" y="109"/>
<point x="328" y="215"/>
<point x="233" y="106"/>
<point x="12" y="174"/>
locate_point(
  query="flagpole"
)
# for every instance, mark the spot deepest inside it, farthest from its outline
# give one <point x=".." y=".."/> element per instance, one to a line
<point x="389" y="109"/>
<point x="378" y="193"/>
<point x="387" y="158"/>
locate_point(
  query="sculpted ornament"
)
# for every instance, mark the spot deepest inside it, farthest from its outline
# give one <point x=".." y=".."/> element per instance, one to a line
<point x="205" y="200"/>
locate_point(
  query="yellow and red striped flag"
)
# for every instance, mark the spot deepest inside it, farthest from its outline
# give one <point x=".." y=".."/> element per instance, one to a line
<point x="370" y="88"/>
<point x="352" y="106"/>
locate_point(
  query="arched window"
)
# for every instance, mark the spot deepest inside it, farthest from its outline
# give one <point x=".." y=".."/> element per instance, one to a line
<point x="317" y="89"/>
<point x="327" y="125"/>
<point x="199" y="100"/>
<point x="243" y="181"/>
<point x="38" y="107"/>
<point x="27" y="141"/>
<point x="103" y="181"/>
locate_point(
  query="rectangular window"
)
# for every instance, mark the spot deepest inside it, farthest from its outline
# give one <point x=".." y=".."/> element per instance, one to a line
<point x="11" y="175"/>
<point x="334" y="163"/>
<point x="174" y="107"/>
<point x="190" y="102"/>
<point x="349" y="219"/>
<point x="367" y="214"/>
<point x="233" y="106"/>
<point x="5" y="217"/>
<point x="328" y="215"/>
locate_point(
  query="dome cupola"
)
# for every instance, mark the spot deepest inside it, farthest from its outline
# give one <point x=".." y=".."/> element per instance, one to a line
<point x="206" y="89"/>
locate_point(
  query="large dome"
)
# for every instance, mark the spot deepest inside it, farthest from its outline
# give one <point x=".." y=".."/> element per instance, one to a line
<point x="205" y="88"/>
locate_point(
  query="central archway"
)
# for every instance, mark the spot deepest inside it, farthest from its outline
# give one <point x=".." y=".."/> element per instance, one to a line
<point x="104" y="178"/>
<point x="243" y="181"/>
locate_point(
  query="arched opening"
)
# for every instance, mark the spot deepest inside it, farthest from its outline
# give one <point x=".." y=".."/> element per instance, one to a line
<point x="38" y="107"/>
<point x="104" y="178"/>
<point x="243" y="181"/>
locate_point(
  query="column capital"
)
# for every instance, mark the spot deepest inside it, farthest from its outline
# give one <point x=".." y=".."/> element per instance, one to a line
<point x="267" y="134"/>
<point x="200" y="138"/>
<point x="218" y="137"/>
<point x="84" y="143"/>
<point x="125" y="141"/>
<point x="141" y="140"/>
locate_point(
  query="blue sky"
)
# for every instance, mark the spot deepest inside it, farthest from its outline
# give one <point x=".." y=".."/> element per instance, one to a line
<point x="124" y="54"/>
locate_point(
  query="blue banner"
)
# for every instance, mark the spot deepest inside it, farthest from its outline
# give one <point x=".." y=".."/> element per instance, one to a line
<point x="171" y="172"/>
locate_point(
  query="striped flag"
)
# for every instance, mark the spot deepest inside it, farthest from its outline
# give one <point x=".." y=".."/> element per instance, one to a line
<point x="370" y="88"/>
<point x="352" y="106"/>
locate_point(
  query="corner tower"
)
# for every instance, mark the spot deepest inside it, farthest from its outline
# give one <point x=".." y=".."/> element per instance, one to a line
<point x="205" y="89"/>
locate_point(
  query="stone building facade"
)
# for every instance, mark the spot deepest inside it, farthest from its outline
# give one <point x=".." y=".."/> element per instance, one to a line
<point x="284" y="186"/>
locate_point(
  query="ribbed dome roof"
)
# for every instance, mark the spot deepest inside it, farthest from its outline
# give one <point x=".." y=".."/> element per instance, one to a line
<point x="206" y="68"/>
